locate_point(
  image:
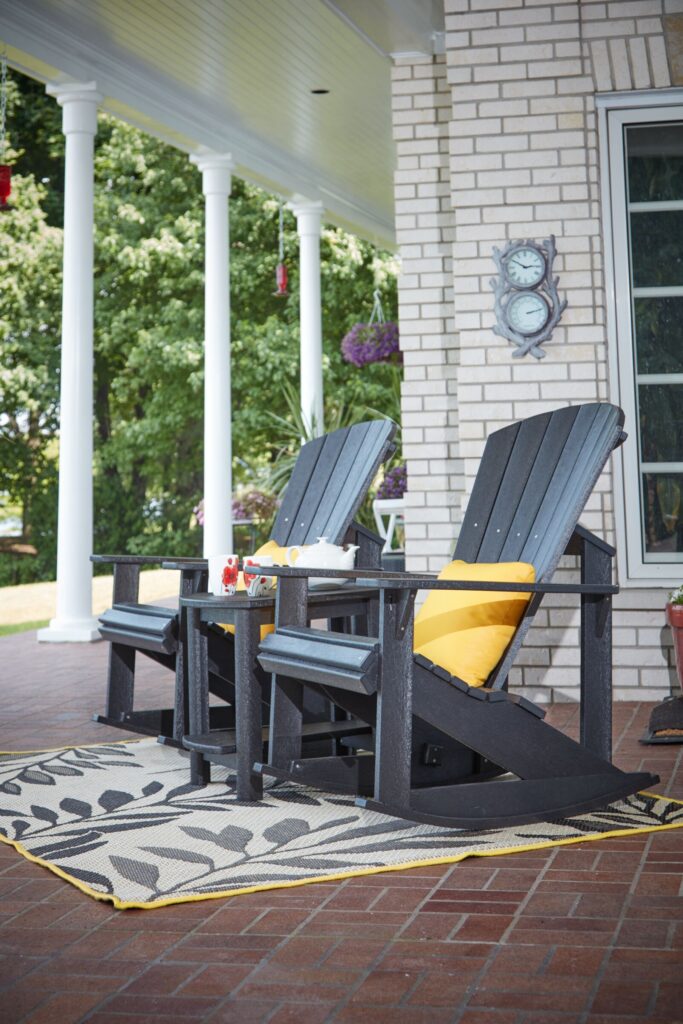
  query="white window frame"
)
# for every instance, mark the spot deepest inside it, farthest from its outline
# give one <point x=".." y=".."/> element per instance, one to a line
<point x="615" y="111"/>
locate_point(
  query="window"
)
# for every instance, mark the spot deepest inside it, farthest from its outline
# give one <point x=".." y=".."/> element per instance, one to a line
<point x="643" y="204"/>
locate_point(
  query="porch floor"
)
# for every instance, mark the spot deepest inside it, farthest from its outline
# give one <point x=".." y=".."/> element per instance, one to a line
<point x="587" y="934"/>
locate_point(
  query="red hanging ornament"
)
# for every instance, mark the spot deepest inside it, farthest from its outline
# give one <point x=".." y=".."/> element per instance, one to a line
<point x="281" y="279"/>
<point x="281" y="269"/>
<point x="5" y="169"/>
<point x="5" y="186"/>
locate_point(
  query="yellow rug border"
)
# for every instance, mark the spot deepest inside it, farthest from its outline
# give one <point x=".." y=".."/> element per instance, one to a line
<point x="359" y="873"/>
<point x="74" y="746"/>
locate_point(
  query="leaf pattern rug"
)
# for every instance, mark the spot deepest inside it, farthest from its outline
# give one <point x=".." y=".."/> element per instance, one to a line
<point x="121" y="822"/>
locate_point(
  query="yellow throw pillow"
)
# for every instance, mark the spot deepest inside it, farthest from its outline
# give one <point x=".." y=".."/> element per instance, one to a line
<point x="278" y="554"/>
<point x="467" y="631"/>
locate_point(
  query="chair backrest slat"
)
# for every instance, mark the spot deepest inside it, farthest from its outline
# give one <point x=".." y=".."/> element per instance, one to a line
<point x="329" y="482"/>
<point x="524" y="515"/>
<point x="528" y="441"/>
<point x="534" y="480"/>
<point x="304" y="469"/>
<point x="355" y="469"/>
<point x="563" y="505"/>
<point x="323" y="478"/>
<point x="484" y="492"/>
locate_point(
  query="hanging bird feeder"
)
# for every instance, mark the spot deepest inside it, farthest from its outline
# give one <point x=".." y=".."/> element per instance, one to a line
<point x="5" y="169"/>
<point x="281" y="269"/>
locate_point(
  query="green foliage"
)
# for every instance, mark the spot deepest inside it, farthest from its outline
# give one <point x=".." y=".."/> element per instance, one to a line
<point x="149" y="311"/>
<point x="30" y="301"/>
<point x="35" y="130"/>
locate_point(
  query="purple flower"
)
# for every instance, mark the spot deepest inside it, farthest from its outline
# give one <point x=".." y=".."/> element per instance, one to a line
<point x="254" y="505"/>
<point x="372" y="343"/>
<point x="395" y="483"/>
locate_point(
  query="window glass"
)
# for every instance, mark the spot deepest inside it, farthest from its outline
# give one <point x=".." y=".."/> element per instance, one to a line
<point x="662" y="513"/>
<point x="661" y="422"/>
<point x="655" y="162"/>
<point x="654" y="159"/>
<point x="657" y="248"/>
<point x="658" y="325"/>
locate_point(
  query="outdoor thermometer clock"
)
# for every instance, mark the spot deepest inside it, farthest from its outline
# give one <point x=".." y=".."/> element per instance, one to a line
<point x="527" y="306"/>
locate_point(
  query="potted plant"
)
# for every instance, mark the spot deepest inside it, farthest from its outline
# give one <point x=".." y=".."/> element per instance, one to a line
<point x="666" y="720"/>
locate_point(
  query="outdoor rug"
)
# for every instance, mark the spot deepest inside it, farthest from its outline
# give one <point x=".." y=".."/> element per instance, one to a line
<point x="121" y="822"/>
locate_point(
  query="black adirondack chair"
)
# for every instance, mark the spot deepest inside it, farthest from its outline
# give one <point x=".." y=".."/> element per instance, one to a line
<point x="328" y="484"/>
<point x="441" y="746"/>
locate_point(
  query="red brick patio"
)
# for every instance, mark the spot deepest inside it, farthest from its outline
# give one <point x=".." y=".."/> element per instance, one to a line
<point x="587" y="934"/>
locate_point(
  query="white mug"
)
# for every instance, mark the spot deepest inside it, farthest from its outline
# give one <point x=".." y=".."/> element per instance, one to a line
<point x="223" y="574"/>
<point x="257" y="584"/>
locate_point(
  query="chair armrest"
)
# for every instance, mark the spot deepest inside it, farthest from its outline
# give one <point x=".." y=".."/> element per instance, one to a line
<point x="126" y="586"/>
<point x="127" y="559"/>
<point x="413" y="581"/>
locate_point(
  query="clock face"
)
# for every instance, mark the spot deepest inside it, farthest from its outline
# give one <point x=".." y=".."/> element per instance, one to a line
<point x="527" y="312"/>
<point x="525" y="267"/>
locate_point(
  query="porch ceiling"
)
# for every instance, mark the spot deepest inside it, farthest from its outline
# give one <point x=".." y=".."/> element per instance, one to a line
<point x="236" y="76"/>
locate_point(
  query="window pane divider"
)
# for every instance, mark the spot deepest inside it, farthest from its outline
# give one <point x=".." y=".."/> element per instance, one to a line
<point x="665" y="291"/>
<point x="660" y="378"/>
<point x="656" y="207"/>
<point x="661" y="467"/>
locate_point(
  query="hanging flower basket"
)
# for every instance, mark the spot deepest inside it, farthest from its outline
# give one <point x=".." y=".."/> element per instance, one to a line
<point x="372" y="343"/>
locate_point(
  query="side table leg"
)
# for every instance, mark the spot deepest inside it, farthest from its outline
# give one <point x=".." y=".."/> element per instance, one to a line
<point x="198" y="675"/>
<point x="248" y="713"/>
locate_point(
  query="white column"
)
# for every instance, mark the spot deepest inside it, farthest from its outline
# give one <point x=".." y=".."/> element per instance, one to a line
<point x="308" y="221"/>
<point x="216" y="184"/>
<point x="74" y="620"/>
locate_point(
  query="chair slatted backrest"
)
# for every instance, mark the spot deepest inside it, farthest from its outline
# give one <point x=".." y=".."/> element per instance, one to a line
<point x="533" y="482"/>
<point x="329" y="481"/>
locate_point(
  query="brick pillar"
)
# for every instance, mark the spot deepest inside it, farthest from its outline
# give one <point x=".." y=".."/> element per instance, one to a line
<point x="424" y="225"/>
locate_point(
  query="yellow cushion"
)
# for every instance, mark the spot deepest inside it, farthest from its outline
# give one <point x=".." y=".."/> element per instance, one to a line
<point x="278" y="554"/>
<point x="467" y="631"/>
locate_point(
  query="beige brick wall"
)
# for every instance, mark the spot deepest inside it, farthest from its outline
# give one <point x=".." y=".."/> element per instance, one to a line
<point x="519" y="122"/>
<point x="424" y="228"/>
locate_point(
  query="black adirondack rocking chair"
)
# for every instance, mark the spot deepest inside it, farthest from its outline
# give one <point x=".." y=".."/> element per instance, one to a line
<point x="328" y="484"/>
<point x="441" y="746"/>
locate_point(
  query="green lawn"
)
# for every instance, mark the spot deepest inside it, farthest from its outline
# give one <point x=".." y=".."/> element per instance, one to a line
<point x="22" y="627"/>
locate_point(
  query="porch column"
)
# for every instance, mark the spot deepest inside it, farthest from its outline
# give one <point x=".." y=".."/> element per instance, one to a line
<point x="74" y="620"/>
<point x="308" y="221"/>
<point x="216" y="171"/>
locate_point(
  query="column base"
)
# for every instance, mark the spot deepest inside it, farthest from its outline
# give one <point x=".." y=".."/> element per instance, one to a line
<point x="69" y="631"/>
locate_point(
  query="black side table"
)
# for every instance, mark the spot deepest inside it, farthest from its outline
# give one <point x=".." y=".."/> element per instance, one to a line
<point x="247" y="614"/>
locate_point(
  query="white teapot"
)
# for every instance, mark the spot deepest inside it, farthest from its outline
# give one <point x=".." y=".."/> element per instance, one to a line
<point x="323" y="556"/>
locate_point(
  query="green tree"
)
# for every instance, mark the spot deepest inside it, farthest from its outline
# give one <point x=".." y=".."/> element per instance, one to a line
<point x="30" y="300"/>
<point x="149" y="258"/>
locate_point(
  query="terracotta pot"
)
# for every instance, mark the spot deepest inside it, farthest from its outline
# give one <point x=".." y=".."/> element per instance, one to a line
<point x="674" y="616"/>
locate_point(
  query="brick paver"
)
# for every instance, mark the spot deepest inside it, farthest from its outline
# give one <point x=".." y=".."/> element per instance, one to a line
<point x="588" y="934"/>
